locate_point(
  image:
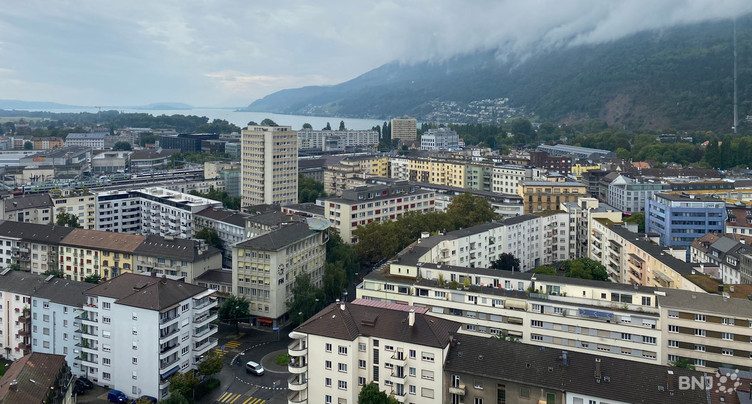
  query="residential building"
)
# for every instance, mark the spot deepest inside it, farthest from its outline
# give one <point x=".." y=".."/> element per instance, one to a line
<point x="265" y="219"/>
<point x="229" y="225"/>
<point x="404" y="129"/>
<point x="479" y="176"/>
<point x="231" y="178"/>
<point x="738" y="219"/>
<point x="118" y="211"/>
<point x="333" y="140"/>
<point x="185" y="142"/>
<point x="399" y="168"/>
<point x="347" y="345"/>
<point x="233" y="148"/>
<point x="507" y="178"/>
<point x="631" y="195"/>
<point x="575" y="151"/>
<point x="110" y="162"/>
<point x="368" y="203"/>
<point x="591" y="179"/>
<point x="580" y="168"/>
<point x="77" y="202"/>
<point x="438" y="171"/>
<point x="558" y="164"/>
<point x="711" y="331"/>
<point x="269" y="165"/>
<point x="33" y="208"/>
<point x="37" y="378"/>
<point x="506" y="205"/>
<point x="44" y="143"/>
<point x="545" y="195"/>
<point x="16" y="289"/>
<point x="143" y="329"/>
<point x="581" y="214"/>
<point x="724" y="252"/>
<point x="32" y="247"/>
<point x="307" y="209"/>
<point x="219" y="280"/>
<point x="56" y="320"/>
<point x="88" y="140"/>
<point x="679" y="219"/>
<point x="312" y="168"/>
<point x="170" y="213"/>
<point x="175" y="257"/>
<point x="439" y="139"/>
<point x="350" y="172"/>
<point x="486" y="370"/>
<point x="265" y="267"/>
<point x="90" y="252"/>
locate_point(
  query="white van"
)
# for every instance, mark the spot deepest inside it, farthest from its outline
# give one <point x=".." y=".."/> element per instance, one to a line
<point x="255" y="368"/>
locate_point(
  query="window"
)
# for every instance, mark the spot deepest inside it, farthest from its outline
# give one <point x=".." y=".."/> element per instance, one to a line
<point x="388" y="348"/>
<point x="535" y="337"/>
<point x="342" y="367"/>
<point x="626" y="336"/>
<point x="328" y="364"/>
<point x="412" y="372"/>
<point x="134" y="361"/>
<point x="427" y="356"/>
<point x="536" y="323"/>
<point x="425" y="392"/>
<point x="106" y="320"/>
<point x="478" y="401"/>
<point x="362" y="347"/>
<point x="328" y="382"/>
<point x="699" y="332"/>
<point x="727" y="336"/>
<point x="361" y="364"/>
<point x="699" y="362"/>
<point x="412" y="389"/>
<point x="673" y="314"/>
<point x="328" y="399"/>
<point x="106" y="376"/>
<point x="426" y="374"/>
<point x="375" y="373"/>
<point x="728" y="321"/>
<point x="673" y="343"/>
<point x="648" y="340"/>
<point x="342" y="385"/>
<point x="106" y="305"/>
<point x="412" y="354"/>
<point x="673" y="328"/>
<point x="727" y="352"/>
<point x="699" y="348"/>
<point x="328" y="347"/>
<point x="700" y="317"/>
<point x="478" y="384"/>
<point x="361" y="381"/>
<point x="343" y="350"/>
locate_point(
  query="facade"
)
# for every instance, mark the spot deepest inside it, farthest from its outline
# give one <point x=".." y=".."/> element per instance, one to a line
<point x="507" y="178"/>
<point x="438" y="171"/>
<point x="544" y="195"/>
<point x="630" y="195"/>
<point x="479" y="176"/>
<point x="229" y="224"/>
<point x="186" y="259"/>
<point x="141" y="329"/>
<point x="170" y="213"/>
<point x="265" y="267"/>
<point x="148" y="160"/>
<point x="405" y="129"/>
<point x="679" y="219"/>
<point x="38" y="378"/>
<point x="581" y="214"/>
<point x="44" y="143"/>
<point x="399" y="168"/>
<point x="575" y="151"/>
<point x="558" y="164"/>
<point x="738" y="219"/>
<point x="332" y="140"/>
<point x="111" y="162"/>
<point x="269" y="165"/>
<point x="76" y="202"/>
<point x="506" y="205"/>
<point x="84" y="253"/>
<point x="365" y="204"/>
<point x="88" y="140"/>
<point x="32" y="247"/>
<point x="350" y="172"/>
<point x="439" y="139"/>
<point x="581" y="168"/>
<point x="185" y="142"/>
<point x="35" y="208"/>
<point x="342" y="348"/>
<point x="118" y="211"/>
<point x="16" y="289"/>
<point x="725" y="253"/>
<point x="219" y="280"/>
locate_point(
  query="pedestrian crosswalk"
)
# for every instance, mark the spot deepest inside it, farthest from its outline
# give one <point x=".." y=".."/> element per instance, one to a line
<point x="228" y="345"/>
<point x="233" y="344"/>
<point x="236" y="398"/>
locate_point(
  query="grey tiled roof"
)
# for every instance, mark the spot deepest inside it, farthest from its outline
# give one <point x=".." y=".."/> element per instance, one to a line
<point x="146" y="292"/>
<point x="279" y="238"/>
<point x="28" y="202"/>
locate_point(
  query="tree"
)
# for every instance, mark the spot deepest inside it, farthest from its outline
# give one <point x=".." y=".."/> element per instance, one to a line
<point x="334" y="280"/>
<point x="506" y="262"/>
<point x="370" y="394"/>
<point x="28" y="146"/>
<point x="468" y="210"/>
<point x="545" y="270"/>
<point x="682" y="363"/>
<point x="52" y="272"/>
<point x="252" y="123"/>
<point x="327" y="127"/>
<point x="585" y="268"/>
<point x="125" y="146"/>
<point x="638" y="218"/>
<point x="211" y="237"/>
<point x="309" y="190"/>
<point x="307" y="299"/>
<point x="94" y="278"/>
<point x="66" y="219"/>
<point x="183" y="383"/>
<point x="211" y="364"/>
<point x="233" y="311"/>
<point x="341" y="125"/>
<point x="268" y="122"/>
<point x="175" y="398"/>
<point x="307" y="126"/>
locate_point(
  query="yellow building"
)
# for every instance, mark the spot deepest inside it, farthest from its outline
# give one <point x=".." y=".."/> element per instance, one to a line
<point x="439" y="172"/>
<point x="339" y="177"/>
<point x="578" y="169"/>
<point x="79" y="203"/>
<point x="89" y="252"/>
<point x="544" y="195"/>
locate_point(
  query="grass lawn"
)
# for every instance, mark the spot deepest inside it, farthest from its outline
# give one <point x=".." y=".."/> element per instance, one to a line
<point x="3" y="366"/>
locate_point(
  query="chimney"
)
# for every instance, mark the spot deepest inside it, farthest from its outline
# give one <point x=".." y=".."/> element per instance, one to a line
<point x="411" y="318"/>
<point x="598" y="370"/>
<point x="670" y="381"/>
<point x="341" y="305"/>
<point x="14" y="385"/>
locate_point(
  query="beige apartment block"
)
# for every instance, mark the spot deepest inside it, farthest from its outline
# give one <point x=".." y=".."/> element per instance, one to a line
<point x="269" y="165"/>
<point x="405" y="129"/>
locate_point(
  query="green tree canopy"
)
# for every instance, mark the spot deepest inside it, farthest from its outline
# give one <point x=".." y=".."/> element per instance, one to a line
<point x="307" y="299"/>
<point x="268" y="122"/>
<point x="175" y="398"/>
<point x="585" y="268"/>
<point x="307" y="126"/>
<point x="28" y="146"/>
<point x="234" y="310"/>
<point x="370" y="394"/>
<point x="309" y="190"/>
<point x="545" y="270"/>
<point x="94" y="278"/>
<point x="468" y="210"/>
<point x="183" y="383"/>
<point x="211" y="237"/>
<point x="229" y="202"/>
<point x="341" y="125"/>
<point x="638" y="218"/>
<point x="506" y="262"/>
<point x="122" y="146"/>
<point x="211" y="364"/>
<point x="67" y="220"/>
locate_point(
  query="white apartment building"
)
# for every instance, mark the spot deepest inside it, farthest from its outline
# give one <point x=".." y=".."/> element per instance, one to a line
<point x="269" y="165"/>
<point x="170" y="213"/>
<point x="265" y="267"/>
<point x="56" y="310"/>
<point x="16" y="289"/>
<point x="229" y="224"/>
<point x="35" y="208"/>
<point x="367" y="203"/>
<point x="175" y="257"/>
<point x="581" y="214"/>
<point x="140" y="330"/>
<point x="348" y="345"/>
<point x="33" y="247"/>
<point x="507" y="178"/>
<point x="399" y="168"/>
<point x="118" y="211"/>
<point x="90" y="140"/>
<point x="630" y="195"/>
<point x="328" y="140"/>
<point x="439" y="139"/>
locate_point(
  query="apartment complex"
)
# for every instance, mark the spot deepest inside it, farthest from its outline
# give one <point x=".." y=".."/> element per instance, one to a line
<point x="368" y="203"/>
<point x="265" y="267"/>
<point x="440" y="139"/>
<point x="79" y="203"/>
<point x="88" y="140"/>
<point x="724" y="252"/>
<point x="438" y="171"/>
<point x="581" y="214"/>
<point x="544" y="195"/>
<point x="85" y="253"/>
<point x="118" y="211"/>
<point x="349" y="172"/>
<point x="507" y="178"/>
<point x="269" y="165"/>
<point x="16" y="289"/>
<point x="630" y="195"/>
<point x="31" y="247"/>
<point x="139" y="330"/>
<point x="679" y="219"/>
<point x="348" y="345"/>
<point x="170" y="213"/>
<point x="35" y="208"/>
<point x="174" y="257"/>
<point x="330" y="140"/>
<point x="229" y="224"/>
<point x="405" y="129"/>
<point x="738" y="219"/>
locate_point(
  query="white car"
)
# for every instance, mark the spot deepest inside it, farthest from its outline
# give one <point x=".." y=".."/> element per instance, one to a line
<point x="255" y="368"/>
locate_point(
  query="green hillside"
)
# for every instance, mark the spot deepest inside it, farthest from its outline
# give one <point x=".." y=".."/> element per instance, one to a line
<point x="673" y="78"/>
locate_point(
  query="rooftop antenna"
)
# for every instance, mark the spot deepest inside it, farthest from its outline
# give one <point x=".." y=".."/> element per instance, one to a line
<point x="736" y="117"/>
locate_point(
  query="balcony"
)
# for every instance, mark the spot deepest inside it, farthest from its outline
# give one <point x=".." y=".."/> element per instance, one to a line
<point x="399" y="396"/>
<point x="205" y="332"/>
<point x="203" y="304"/>
<point x="168" y="350"/>
<point x="164" y="364"/>
<point x="204" y="345"/>
<point x="297" y="348"/>
<point x="297" y="383"/>
<point x="298" y="397"/>
<point x="88" y="359"/>
<point x="459" y="390"/>
<point x="203" y="319"/>
<point x="167" y="321"/>
<point x="24" y="346"/>
<point x="297" y="365"/>
<point x="167" y="333"/>
<point x="24" y="333"/>
<point x="398" y="375"/>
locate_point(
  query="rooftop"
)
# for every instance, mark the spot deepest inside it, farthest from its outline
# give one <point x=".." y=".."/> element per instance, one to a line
<point x="32" y="201"/>
<point x="103" y="240"/>
<point x="688" y="197"/>
<point x="216" y="276"/>
<point x="174" y="248"/>
<point x="34" y="374"/>
<point x="704" y="302"/>
<point x="43" y="233"/>
<point x="279" y="238"/>
<point x="553" y="184"/>
<point x="63" y="291"/>
<point x="228" y="216"/>
<point x="146" y="292"/>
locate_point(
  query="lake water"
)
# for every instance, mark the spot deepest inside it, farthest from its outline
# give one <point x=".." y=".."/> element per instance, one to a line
<point x="242" y="118"/>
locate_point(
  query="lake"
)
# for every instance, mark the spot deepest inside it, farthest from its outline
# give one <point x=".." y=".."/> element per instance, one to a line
<point x="242" y="118"/>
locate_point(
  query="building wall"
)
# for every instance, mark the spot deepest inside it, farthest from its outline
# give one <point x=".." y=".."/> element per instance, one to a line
<point x="269" y="165"/>
<point x="82" y="206"/>
<point x="404" y="129"/>
<point x="16" y="327"/>
<point x="77" y="263"/>
<point x="481" y="389"/>
<point x="680" y="222"/>
<point x="55" y="330"/>
<point x="540" y="196"/>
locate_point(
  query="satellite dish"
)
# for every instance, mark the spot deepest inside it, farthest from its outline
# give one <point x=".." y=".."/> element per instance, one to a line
<point x="318" y="223"/>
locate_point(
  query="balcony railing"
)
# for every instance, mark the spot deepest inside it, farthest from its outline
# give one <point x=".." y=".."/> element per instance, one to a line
<point x="167" y="363"/>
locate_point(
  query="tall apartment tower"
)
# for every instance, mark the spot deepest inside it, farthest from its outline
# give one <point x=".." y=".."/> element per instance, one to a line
<point x="405" y="129"/>
<point x="269" y="165"/>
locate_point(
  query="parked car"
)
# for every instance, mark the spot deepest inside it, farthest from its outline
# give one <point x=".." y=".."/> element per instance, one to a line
<point x="255" y="368"/>
<point x="147" y="399"/>
<point x="85" y="383"/>
<point x="117" y="396"/>
<point x="79" y="389"/>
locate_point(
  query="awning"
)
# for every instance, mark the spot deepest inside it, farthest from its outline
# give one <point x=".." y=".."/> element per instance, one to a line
<point x="265" y="320"/>
<point x="171" y="372"/>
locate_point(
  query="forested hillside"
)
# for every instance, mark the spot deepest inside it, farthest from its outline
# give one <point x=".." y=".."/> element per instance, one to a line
<point x="674" y="78"/>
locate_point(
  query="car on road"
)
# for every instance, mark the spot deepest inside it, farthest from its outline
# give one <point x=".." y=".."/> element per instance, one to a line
<point x="255" y="368"/>
<point x="117" y="396"/>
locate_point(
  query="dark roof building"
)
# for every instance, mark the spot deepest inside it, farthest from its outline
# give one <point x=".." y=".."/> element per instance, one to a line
<point x="36" y="378"/>
<point x="146" y="292"/>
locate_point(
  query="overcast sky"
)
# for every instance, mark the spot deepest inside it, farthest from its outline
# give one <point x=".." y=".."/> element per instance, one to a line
<point x="229" y="53"/>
